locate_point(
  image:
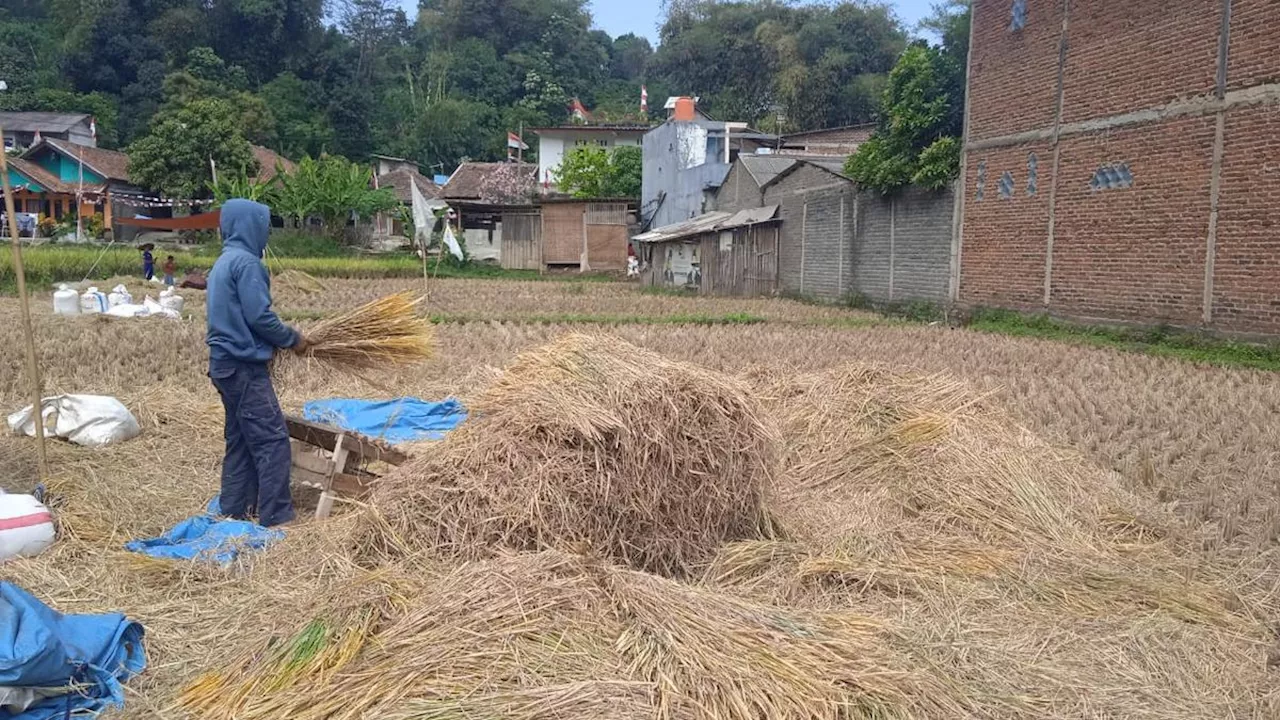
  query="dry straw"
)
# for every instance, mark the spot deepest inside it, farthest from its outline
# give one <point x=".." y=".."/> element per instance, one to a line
<point x="589" y="442"/>
<point x="300" y="281"/>
<point x="386" y="332"/>
<point x="552" y="635"/>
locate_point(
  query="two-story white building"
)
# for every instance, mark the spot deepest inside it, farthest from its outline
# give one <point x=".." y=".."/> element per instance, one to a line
<point x="556" y="142"/>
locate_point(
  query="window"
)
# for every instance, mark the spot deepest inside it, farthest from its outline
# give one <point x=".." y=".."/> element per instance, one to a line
<point x="1019" y="15"/>
<point x="1115" y="176"/>
<point x="1006" y="185"/>
<point x="982" y="180"/>
<point x="1032" y="180"/>
<point x="602" y="143"/>
<point x="580" y="143"/>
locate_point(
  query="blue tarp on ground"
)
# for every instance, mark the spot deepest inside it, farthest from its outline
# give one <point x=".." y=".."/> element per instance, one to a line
<point x="396" y="421"/>
<point x="43" y="652"/>
<point x="205" y="537"/>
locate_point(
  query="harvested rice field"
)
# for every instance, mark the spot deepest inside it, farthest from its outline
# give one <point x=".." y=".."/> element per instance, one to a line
<point x="815" y="514"/>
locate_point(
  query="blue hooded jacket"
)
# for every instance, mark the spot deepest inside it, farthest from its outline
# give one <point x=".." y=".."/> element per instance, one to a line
<point x="242" y="327"/>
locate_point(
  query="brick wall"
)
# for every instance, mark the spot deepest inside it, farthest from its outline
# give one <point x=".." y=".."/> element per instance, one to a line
<point x="1246" y="271"/>
<point x="1155" y="129"/>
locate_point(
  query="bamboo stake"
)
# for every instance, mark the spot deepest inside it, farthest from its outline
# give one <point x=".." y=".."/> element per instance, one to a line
<point x="33" y="367"/>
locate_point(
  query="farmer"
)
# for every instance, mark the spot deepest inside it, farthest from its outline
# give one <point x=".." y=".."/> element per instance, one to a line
<point x="243" y="335"/>
<point x="148" y="263"/>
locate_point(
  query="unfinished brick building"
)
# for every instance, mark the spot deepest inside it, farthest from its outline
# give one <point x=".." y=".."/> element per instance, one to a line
<point x="1122" y="162"/>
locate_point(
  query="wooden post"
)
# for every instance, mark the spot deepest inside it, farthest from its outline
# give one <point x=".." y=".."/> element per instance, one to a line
<point x="33" y="366"/>
<point x="339" y="464"/>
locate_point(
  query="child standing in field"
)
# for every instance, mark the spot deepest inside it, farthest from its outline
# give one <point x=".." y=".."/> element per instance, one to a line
<point x="148" y="265"/>
<point x="170" y="267"/>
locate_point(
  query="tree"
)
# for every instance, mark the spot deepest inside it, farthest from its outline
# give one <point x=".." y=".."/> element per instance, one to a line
<point x="173" y="158"/>
<point x="758" y="59"/>
<point x="629" y="57"/>
<point x="592" y="172"/>
<point x="301" y="125"/>
<point x="916" y="141"/>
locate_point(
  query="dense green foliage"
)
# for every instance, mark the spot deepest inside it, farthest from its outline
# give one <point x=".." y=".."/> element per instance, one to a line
<point x="593" y="172"/>
<point x="331" y="188"/>
<point x="921" y="112"/>
<point x="356" y="77"/>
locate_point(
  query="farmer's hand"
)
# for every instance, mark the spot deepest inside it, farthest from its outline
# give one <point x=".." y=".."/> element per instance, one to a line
<point x="303" y="343"/>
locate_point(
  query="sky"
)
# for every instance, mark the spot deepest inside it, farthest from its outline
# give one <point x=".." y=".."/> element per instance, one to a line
<point x="620" y="17"/>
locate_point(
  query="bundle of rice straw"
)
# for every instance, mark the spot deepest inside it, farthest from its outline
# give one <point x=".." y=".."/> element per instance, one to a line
<point x="588" y="442"/>
<point x="387" y="331"/>
<point x="301" y="281"/>
<point x="552" y="635"/>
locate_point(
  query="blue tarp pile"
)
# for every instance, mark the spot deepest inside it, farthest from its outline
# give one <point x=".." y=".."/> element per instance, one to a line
<point x="60" y="666"/>
<point x="205" y="537"/>
<point x="396" y="421"/>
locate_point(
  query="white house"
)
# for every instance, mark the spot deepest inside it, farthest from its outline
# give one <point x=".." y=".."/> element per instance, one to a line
<point x="555" y="142"/>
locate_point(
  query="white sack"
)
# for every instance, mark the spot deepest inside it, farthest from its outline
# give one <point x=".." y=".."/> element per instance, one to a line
<point x="90" y="420"/>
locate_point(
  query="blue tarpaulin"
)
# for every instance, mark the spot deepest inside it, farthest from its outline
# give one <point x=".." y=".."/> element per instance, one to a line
<point x="45" y="654"/>
<point x="204" y="537"/>
<point x="396" y="421"/>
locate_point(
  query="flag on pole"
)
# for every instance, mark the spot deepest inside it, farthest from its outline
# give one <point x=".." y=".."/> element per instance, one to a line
<point x="514" y="142"/>
<point x="578" y="111"/>
<point x="451" y="242"/>
<point x="35" y="140"/>
<point x="93" y="127"/>
<point x="644" y="99"/>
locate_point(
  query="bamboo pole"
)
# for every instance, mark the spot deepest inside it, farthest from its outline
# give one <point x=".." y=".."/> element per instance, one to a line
<point x="33" y="367"/>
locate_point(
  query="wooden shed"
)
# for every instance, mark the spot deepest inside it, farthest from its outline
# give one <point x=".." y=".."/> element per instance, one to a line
<point x="586" y="234"/>
<point x="718" y="253"/>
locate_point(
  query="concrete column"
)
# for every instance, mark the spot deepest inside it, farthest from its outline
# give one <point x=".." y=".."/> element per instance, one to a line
<point x="840" y="273"/>
<point x="893" y="231"/>
<point x="1215" y="176"/>
<point x="804" y="232"/>
<point x="1057" y="153"/>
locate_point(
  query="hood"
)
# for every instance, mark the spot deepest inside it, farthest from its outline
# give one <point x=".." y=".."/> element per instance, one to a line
<point x="245" y="225"/>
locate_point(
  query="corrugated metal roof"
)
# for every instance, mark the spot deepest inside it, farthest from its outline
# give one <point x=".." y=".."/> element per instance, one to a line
<point x="42" y="121"/>
<point x="835" y="164"/>
<point x="764" y="168"/>
<point x="709" y="222"/>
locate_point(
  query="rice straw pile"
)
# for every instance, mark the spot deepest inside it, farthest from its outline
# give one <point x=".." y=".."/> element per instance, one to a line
<point x="386" y="332"/>
<point x="589" y="443"/>
<point x="1047" y="589"/>
<point x="551" y="635"/>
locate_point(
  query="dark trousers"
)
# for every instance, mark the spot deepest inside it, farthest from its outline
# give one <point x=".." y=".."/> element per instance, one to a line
<point x="255" y="471"/>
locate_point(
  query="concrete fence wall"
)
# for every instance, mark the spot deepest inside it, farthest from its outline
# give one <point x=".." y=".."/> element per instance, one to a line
<point x="902" y="248"/>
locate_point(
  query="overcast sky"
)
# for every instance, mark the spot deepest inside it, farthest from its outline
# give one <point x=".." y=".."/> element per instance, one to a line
<point x="620" y="17"/>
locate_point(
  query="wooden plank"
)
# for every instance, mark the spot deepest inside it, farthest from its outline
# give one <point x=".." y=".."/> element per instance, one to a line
<point x="325" y="437"/>
<point x="344" y="484"/>
<point x="562" y="234"/>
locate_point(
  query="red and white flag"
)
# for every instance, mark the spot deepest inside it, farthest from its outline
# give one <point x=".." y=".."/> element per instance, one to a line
<point x="578" y="111"/>
<point x="93" y="127"/>
<point x="35" y="140"/>
<point x="644" y="99"/>
<point x="514" y="142"/>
